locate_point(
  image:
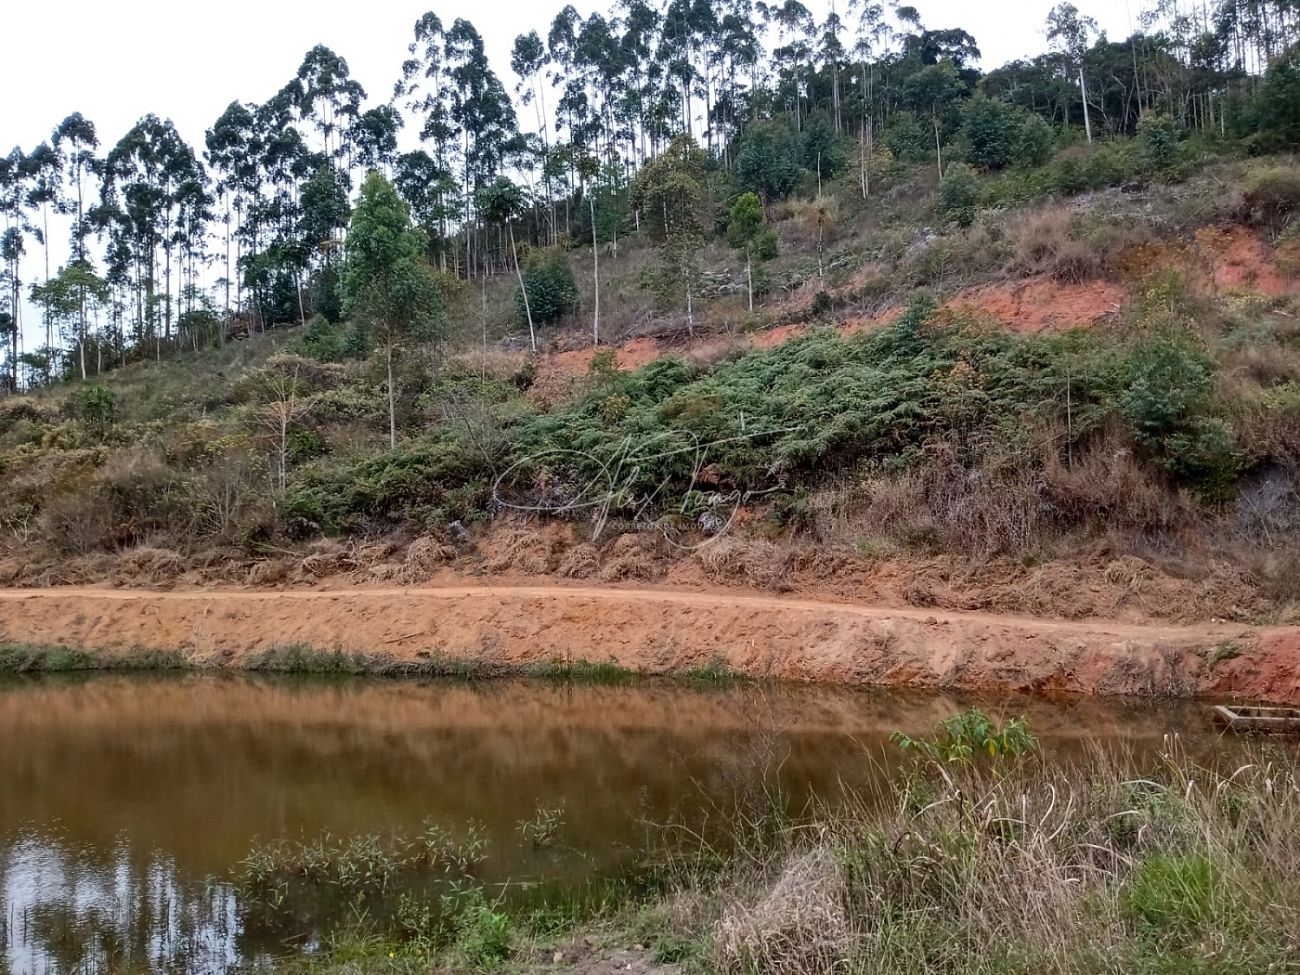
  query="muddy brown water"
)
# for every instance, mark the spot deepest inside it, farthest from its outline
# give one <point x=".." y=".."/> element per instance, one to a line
<point x="126" y="802"/>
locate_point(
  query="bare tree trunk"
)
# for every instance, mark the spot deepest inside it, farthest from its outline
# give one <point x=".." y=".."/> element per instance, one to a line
<point x="528" y="308"/>
<point x="749" y="274"/>
<point x="938" y="144"/>
<point x="690" y="306"/>
<point x="1083" y="91"/>
<point x="595" y="261"/>
<point x="392" y="398"/>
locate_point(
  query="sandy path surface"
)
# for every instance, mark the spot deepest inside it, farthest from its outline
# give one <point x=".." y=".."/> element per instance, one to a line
<point x="661" y="631"/>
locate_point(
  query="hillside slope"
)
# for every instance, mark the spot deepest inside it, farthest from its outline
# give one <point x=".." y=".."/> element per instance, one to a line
<point x="1077" y="407"/>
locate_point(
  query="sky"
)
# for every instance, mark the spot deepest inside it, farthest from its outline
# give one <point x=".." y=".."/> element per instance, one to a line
<point x="115" y="61"/>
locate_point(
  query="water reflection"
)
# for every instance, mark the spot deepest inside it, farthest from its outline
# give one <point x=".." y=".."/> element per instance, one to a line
<point x="69" y="910"/>
<point x="121" y="797"/>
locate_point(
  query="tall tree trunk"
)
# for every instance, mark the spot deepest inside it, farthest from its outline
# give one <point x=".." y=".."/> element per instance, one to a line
<point x="1083" y="92"/>
<point x="595" y="263"/>
<point x="938" y="143"/>
<point x="392" y="396"/>
<point x="749" y="274"/>
<point x="528" y="308"/>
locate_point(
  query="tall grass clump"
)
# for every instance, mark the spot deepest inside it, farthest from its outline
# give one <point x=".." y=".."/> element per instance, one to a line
<point x="980" y="858"/>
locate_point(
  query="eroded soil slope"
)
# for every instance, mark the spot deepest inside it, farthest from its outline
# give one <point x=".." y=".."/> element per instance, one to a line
<point x="663" y="631"/>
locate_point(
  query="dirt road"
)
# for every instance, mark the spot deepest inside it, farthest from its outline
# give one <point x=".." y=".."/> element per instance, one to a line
<point x="661" y="631"/>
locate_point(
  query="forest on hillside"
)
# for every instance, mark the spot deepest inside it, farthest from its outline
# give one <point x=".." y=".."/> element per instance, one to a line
<point x="652" y="119"/>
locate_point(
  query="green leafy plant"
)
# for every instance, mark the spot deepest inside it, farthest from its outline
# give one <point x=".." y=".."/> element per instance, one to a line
<point x="971" y="736"/>
<point x="552" y="289"/>
<point x="545" y="825"/>
<point x="959" y="194"/>
<point x="94" y="406"/>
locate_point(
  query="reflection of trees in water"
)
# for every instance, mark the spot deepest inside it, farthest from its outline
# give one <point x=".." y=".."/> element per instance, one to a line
<point x="71" y="913"/>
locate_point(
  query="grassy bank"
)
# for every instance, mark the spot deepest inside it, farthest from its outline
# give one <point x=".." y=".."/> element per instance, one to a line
<point x="25" y="658"/>
<point x="962" y="864"/>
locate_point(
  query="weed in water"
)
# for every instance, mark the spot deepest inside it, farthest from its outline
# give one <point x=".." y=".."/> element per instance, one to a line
<point x="543" y="828"/>
<point x="716" y="671"/>
<point x="582" y="672"/>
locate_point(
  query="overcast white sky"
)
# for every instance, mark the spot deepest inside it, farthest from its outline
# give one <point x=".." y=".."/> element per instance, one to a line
<point x="115" y="60"/>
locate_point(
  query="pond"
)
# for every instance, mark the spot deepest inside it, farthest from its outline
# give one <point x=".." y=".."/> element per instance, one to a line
<point x="127" y="803"/>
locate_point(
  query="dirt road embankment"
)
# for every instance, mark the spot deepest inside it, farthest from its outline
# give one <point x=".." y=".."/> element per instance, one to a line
<point x="663" y="631"/>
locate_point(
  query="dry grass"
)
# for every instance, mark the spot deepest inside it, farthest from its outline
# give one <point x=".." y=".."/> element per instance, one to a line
<point x="425" y="555"/>
<point x="1068" y="245"/>
<point x="800" y="926"/>
<point x="1020" y="868"/>
<point x="751" y="562"/>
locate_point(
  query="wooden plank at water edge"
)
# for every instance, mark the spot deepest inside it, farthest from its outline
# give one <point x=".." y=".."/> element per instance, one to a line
<point x="1259" y="721"/>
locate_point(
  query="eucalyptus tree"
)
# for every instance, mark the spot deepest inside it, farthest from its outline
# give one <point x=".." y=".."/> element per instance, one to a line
<point x="796" y="28"/>
<point x="374" y="138"/>
<point x="142" y="177"/>
<point x="65" y="299"/>
<point x="739" y="55"/>
<point x="387" y="284"/>
<point x="528" y="61"/>
<point x="640" y="25"/>
<point x="933" y="90"/>
<point x="425" y="89"/>
<point x="832" y="53"/>
<point x="482" y="110"/>
<point x="44" y="171"/>
<point x="287" y="162"/>
<point x="75" y="140"/>
<point x="561" y="45"/>
<point x="501" y="201"/>
<point x="600" y="60"/>
<point x="234" y="148"/>
<point x="670" y="190"/>
<point x="194" y="214"/>
<point x="427" y="186"/>
<point x="323" y="213"/>
<point x="870" y="34"/>
<point x="12" y="248"/>
<point x="678" y="41"/>
<point x="330" y="99"/>
<point x="1071" y="33"/>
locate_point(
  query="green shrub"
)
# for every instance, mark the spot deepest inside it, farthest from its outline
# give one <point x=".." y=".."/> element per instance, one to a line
<point x="484" y="934"/>
<point x="1159" y="143"/>
<point x="908" y="139"/>
<point x="444" y="476"/>
<point x="968" y="736"/>
<point x="94" y="406"/>
<point x="998" y="134"/>
<point x="552" y="289"/>
<point x="304" y="444"/>
<point x="766" y="247"/>
<point x="1273" y="196"/>
<point x="321" y="340"/>
<point x="767" y="160"/>
<point x="1278" y="101"/>
<point x="959" y="194"/>
<point x="1168" y="404"/>
<point x="1034" y="142"/>
<point x="1172" y="896"/>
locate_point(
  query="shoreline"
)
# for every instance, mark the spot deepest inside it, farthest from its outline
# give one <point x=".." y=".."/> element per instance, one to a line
<point x="487" y="630"/>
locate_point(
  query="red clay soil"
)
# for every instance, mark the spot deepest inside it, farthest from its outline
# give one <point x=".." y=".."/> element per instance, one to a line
<point x="1232" y="260"/>
<point x="1041" y="303"/>
<point x="656" y="630"/>
<point x="1241" y="263"/>
<point x="1028" y="305"/>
